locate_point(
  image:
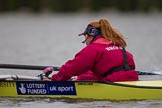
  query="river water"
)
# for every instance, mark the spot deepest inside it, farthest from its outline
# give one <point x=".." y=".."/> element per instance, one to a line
<point x="51" y="39"/>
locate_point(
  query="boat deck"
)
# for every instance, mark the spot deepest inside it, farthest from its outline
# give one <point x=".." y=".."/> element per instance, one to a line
<point x="155" y="83"/>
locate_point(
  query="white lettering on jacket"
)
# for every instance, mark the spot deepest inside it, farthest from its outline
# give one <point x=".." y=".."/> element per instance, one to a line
<point x="113" y="48"/>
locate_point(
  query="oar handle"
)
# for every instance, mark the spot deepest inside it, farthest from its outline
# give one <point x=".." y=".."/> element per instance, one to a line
<point x="28" y="67"/>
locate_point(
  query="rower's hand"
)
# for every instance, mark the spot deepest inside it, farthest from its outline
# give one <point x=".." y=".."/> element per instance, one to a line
<point x="74" y="78"/>
<point x="48" y="70"/>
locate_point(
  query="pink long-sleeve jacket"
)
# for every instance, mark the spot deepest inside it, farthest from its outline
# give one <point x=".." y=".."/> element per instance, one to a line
<point x="95" y="60"/>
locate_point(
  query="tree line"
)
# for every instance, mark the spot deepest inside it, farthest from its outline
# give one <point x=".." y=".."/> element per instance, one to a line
<point x="80" y="5"/>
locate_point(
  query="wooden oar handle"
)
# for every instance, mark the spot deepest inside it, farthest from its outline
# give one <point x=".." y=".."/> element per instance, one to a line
<point x="29" y="67"/>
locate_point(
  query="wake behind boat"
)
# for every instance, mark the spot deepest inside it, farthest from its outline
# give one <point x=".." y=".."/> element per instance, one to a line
<point x="26" y="86"/>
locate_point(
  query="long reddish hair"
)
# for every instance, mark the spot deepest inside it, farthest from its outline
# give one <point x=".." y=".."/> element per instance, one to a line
<point x="109" y="33"/>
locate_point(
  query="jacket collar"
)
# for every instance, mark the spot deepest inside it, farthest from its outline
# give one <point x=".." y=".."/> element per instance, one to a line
<point x="102" y="40"/>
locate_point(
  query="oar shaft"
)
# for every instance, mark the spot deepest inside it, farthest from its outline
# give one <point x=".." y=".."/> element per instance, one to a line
<point x="148" y="73"/>
<point x="34" y="67"/>
<point x="28" y="67"/>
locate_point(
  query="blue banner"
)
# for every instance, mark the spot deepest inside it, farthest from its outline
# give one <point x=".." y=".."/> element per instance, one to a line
<point x="45" y="88"/>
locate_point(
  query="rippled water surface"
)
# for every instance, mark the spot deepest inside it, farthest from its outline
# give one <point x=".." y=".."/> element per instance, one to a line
<point x="54" y="103"/>
<point x="51" y="39"/>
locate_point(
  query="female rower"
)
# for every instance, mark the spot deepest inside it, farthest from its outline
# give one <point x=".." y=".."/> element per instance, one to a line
<point x="103" y="59"/>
